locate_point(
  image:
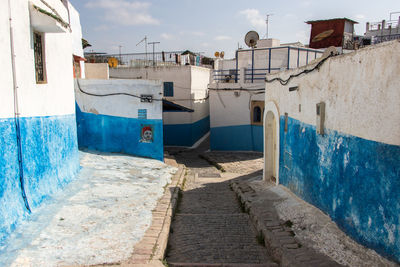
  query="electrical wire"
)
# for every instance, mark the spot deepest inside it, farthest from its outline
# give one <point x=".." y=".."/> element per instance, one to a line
<point x="136" y="96"/>
<point x="306" y="71"/>
<point x="111" y="94"/>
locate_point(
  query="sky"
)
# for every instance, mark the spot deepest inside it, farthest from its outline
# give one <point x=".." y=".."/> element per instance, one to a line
<point x="212" y="25"/>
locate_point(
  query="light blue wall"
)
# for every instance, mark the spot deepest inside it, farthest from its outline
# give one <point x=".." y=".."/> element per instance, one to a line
<point x="186" y="134"/>
<point x="49" y="159"/>
<point x="117" y="134"/>
<point x="355" y="181"/>
<point x="237" y="138"/>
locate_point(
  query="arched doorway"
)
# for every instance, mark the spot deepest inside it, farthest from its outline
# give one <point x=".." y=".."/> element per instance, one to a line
<point x="271" y="143"/>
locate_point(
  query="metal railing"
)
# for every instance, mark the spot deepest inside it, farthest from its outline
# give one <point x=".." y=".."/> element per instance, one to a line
<point x="385" y="38"/>
<point x="170" y="58"/>
<point x="255" y="73"/>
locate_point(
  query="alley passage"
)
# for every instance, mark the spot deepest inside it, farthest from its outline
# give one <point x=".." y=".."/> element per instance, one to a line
<point x="209" y="226"/>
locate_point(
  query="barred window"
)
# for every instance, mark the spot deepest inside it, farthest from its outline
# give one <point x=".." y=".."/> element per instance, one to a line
<point x="39" y="57"/>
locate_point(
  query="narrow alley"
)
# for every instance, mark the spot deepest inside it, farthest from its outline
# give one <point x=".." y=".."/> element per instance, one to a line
<point x="209" y="226"/>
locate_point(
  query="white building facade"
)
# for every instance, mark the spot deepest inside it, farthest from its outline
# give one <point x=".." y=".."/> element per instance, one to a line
<point x="185" y="88"/>
<point x="38" y="143"/>
<point x="237" y="92"/>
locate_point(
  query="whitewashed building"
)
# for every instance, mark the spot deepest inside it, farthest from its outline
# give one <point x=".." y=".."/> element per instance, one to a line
<point x="332" y="136"/>
<point x="237" y="92"/>
<point x="38" y="142"/>
<point x="186" y="116"/>
<point x="123" y="116"/>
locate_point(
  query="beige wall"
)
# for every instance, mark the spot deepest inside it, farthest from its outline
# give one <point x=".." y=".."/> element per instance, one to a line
<point x="98" y="71"/>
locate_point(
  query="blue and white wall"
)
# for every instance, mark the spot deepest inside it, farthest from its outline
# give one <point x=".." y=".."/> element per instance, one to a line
<point x="190" y="89"/>
<point x="352" y="172"/>
<point x="230" y="118"/>
<point x="115" y="123"/>
<point x="47" y="128"/>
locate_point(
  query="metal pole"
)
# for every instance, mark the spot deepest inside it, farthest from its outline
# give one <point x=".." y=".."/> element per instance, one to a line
<point x="269" y="61"/>
<point x="237" y="63"/>
<point x="154" y="43"/>
<point x="252" y="65"/>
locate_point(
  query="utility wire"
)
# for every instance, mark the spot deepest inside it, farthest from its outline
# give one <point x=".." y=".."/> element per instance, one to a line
<point x="135" y="96"/>
<point x="306" y="71"/>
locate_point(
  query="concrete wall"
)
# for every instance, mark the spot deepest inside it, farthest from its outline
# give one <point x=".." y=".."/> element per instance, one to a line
<point x="96" y="71"/>
<point x="190" y="90"/>
<point x="352" y="172"/>
<point x="230" y="120"/>
<point x="46" y="123"/>
<point x="112" y="123"/>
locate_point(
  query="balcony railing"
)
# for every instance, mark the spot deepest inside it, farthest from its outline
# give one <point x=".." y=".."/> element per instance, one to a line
<point x="273" y="59"/>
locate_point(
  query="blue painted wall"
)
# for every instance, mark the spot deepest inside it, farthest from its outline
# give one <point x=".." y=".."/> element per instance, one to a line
<point x="186" y="134"/>
<point x="355" y="181"/>
<point x="237" y="138"/>
<point x="118" y="134"/>
<point x="50" y="160"/>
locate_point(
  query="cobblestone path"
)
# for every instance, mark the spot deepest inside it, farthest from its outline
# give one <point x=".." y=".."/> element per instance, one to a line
<point x="209" y="226"/>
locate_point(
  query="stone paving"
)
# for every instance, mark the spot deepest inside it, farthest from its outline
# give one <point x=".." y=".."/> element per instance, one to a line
<point x="209" y="227"/>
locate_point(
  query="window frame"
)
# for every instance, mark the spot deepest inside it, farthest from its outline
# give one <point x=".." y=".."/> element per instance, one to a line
<point x="42" y="57"/>
<point x="257" y="104"/>
<point x="171" y="88"/>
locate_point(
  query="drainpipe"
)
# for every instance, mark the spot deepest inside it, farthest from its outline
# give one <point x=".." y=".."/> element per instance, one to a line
<point x="16" y="112"/>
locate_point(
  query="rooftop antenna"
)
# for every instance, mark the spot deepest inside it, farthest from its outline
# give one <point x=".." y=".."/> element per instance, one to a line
<point x="154" y="43"/>
<point x="145" y="44"/>
<point x="267" y="23"/>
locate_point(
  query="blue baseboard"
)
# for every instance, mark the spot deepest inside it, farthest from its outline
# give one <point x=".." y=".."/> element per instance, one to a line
<point x="186" y="134"/>
<point x="355" y="181"/>
<point x="119" y="135"/>
<point x="237" y="138"/>
<point x="50" y="160"/>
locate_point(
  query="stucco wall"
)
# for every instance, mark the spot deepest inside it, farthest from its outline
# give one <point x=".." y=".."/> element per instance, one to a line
<point x="190" y="89"/>
<point x="112" y="123"/>
<point x="353" y="171"/>
<point x="230" y="120"/>
<point x="46" y="123"/>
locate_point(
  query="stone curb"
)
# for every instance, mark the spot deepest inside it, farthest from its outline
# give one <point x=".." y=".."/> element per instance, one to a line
<point x="279" y="238"/>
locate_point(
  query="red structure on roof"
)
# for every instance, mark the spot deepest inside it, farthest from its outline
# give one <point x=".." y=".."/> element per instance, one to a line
<point x="333" y="32"/>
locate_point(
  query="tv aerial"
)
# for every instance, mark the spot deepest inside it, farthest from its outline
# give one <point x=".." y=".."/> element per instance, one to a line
<point x="251" y="39"/>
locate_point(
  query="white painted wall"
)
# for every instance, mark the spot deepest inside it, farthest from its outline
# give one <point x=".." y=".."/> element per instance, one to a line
<point x="56" y="97"/>
<point x="76" y="28"/>
<point x="360" y="89"/>
<point x="97" y="71"/>
<point x="120" y="105"/>
<point x="226" y="109"/>
<point x="190" y="82"/>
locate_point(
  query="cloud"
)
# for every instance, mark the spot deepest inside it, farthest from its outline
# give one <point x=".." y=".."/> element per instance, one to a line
<point x="302" y="36"/>
<point x="254" y="17"/>
<point x="167" y="36"/>
<point x="222" y="38"/>
<point x="359" y="16"/>
<point x="124" y="12"/>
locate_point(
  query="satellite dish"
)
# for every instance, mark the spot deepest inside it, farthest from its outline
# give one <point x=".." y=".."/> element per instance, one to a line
<point x="112" y="62"/>
<point x="222" y="54"/>
<point x="251" y="39"/>
<point x="216" y="54"/>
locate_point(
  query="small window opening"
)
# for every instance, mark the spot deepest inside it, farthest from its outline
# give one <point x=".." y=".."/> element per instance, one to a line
<point x="257" y="114"/>
<point x="168" y="89"/>
<point x="40" y="71"/>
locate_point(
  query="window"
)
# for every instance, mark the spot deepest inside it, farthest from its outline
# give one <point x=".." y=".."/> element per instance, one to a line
<point x="168" y="89"/>
<point x="40" y="71"/>
<point x="257" y="112"/>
